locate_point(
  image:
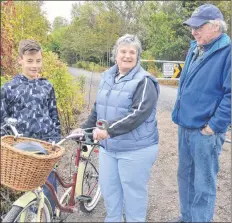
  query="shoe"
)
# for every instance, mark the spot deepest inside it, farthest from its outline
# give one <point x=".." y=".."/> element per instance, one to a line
<point x="178" y="219"/>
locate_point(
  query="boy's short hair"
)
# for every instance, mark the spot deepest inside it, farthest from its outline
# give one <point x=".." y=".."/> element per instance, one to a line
<point x="28" y="45"/>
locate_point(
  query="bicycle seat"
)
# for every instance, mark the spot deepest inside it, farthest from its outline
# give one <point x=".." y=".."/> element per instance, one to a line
<point x="32" y="147"/>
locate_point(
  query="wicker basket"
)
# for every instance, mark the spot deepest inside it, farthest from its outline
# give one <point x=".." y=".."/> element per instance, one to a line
<point x="22" y="170"/>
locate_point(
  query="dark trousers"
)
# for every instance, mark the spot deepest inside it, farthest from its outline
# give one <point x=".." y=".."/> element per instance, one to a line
<point x="47" y="192"/>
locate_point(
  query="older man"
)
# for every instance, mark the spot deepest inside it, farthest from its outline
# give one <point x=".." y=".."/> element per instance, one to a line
<point x="202" y="111"/>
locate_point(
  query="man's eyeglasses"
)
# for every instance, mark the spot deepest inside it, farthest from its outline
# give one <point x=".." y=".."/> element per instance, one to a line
<point x="198" y="28"/>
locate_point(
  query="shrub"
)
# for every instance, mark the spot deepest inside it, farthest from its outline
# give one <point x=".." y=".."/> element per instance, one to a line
<point x="81" y="81"/>
<point x="91" y="66"/>
<point x="68" y="90"/>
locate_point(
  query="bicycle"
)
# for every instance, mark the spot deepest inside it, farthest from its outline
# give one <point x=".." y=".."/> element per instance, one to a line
<point x="33" y="206"/>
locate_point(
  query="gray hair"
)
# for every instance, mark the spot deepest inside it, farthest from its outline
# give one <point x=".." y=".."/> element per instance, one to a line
<point x="222" y="24"/>
<point x="28" y="45"/>
<point x="127" y="39"/>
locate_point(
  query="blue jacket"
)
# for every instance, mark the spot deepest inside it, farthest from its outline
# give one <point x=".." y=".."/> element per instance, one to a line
<point x="33" y="104"/>
<point x="204" y="94"/>
<point x="115" y="99"/>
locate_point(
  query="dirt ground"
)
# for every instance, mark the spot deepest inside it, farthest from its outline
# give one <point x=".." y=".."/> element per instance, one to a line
<point x="163" y="192"/>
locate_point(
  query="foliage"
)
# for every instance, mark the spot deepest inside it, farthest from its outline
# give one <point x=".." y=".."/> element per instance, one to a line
<point x="68" y="90"/>
<point x="91" y="66"/>
<point x="82" y="80"/>
<point x="8" y="56"/>
<point x="8" y="196"/>
<point x="59" y="22"/>
<point x="4" y="79"/>
<point x="17" y="24"/>
<point x="30" y="22"/>
<point x="169" y="82"/>
<point x="96" y="25"/>
<point x="55" y="40"/>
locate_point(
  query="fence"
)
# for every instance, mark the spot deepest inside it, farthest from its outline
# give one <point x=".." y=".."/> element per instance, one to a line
<point x="170" y="69"/>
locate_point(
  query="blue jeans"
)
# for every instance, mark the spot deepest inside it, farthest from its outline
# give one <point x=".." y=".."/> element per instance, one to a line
<point x="197" y="173"/>
<point x="51" y="178"/>
<point x="123" y="178"/>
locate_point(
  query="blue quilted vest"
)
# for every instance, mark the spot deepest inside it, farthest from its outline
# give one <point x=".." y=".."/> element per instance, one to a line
<point x="115" y="100"/>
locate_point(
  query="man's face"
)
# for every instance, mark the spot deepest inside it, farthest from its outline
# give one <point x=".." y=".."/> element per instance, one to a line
<point x="31" y="63"/>
<point x="205" y="33"/>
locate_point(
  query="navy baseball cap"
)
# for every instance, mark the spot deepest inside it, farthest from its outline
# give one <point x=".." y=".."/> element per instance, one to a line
<point x="203" y="14"/>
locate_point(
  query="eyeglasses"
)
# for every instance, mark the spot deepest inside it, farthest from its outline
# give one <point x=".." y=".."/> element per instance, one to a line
<point x="198" y="28"/>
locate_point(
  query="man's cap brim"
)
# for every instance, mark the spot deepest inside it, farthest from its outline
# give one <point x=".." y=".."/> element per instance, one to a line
<point x="195" y="22"/>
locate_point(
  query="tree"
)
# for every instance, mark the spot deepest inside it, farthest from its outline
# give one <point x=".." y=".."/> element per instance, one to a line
<point x="17" y="24"/>
<point x="59" y="22"/>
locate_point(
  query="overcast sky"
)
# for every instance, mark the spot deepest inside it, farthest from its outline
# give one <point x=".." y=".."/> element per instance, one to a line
<point x="57" y="8"/>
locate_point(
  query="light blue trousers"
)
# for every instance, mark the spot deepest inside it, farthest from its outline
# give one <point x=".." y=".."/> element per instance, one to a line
<point x="123" y="178"/>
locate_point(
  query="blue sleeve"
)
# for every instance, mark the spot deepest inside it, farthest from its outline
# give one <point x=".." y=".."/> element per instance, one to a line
<point x="222" y="117"/>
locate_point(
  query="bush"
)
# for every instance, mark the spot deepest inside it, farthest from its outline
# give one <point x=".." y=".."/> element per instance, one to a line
<point x="169" y="82"/>
<point x="152" y="68"/>
<point x="90" y="66"/>
<point x="4" y="79"/>
<point x="68" y="90"/>
<point x="81" y="81"/>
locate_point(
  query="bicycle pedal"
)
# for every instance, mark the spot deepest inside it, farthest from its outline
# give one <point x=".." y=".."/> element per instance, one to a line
<point x="84" y="198"/>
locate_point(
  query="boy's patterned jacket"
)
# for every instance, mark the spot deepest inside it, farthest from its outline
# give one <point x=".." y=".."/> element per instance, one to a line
<point x="33" y="104"/>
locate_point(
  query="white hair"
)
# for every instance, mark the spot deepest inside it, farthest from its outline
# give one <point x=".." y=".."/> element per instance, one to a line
<point x="222" y="24"/>
<point x="127" y="39"/>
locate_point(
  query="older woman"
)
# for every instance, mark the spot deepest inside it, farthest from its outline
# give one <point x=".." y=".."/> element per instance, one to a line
<point x="127" y="99"/>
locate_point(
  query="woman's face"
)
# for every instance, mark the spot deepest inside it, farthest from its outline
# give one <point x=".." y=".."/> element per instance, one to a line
<point x="126" y="58"/>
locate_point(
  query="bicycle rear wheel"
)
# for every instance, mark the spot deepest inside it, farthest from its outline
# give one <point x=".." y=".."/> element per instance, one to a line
<point x="27" y="214"/>
<point x="90" y="185"/>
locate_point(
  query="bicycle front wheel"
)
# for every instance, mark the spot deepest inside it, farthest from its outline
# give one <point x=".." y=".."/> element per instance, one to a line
<point x="90" y="185"/>
<point x="27" y="214"/>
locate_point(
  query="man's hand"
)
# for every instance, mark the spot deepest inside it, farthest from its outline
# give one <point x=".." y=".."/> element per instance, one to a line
<point x="99" y="134"/>
<point x="207" y="131"/>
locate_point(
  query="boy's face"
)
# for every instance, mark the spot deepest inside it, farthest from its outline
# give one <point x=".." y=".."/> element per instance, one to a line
<point x="31" y="63"/>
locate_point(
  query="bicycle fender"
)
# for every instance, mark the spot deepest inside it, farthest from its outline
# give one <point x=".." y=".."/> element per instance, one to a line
<point x="81" y="169"/>
<point x="25" y="199"/>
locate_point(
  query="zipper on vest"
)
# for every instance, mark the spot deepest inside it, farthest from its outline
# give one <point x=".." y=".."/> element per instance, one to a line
<point x="107" y="98"/>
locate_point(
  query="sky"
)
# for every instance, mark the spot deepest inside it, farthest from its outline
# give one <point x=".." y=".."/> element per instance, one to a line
<point x="57" y="8"/>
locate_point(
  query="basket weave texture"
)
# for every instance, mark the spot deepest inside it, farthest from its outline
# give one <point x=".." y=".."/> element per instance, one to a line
<point x="22" y="170"/>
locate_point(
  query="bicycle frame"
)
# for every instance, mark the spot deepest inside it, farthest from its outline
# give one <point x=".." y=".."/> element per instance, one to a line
<point x="75" y="185"/>
<point x="75" y="188"/>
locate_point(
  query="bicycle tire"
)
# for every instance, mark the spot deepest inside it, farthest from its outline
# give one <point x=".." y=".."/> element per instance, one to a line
<point x="14" y="214"/>
<point x="92" y="162"/>
<point x="64" y="201"/>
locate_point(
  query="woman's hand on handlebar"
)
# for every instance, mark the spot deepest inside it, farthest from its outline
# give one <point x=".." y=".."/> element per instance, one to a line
<point x="99" y="134"/>
<point x="78" y="131"/>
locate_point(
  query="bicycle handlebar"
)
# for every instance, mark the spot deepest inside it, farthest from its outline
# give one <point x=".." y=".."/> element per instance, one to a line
<point x="12" y="122"/>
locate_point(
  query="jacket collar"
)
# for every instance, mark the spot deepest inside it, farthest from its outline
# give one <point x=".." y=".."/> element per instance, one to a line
<point x="111" y="73"/>
<point x="220" y="42"/>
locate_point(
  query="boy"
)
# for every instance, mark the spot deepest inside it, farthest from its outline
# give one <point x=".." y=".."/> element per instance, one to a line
<point x="31" y="100"/>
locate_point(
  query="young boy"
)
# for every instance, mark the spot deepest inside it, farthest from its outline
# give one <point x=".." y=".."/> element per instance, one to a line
<point x="31" y="100"/>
